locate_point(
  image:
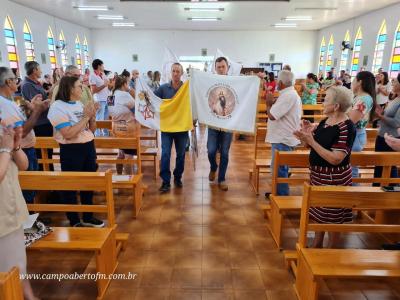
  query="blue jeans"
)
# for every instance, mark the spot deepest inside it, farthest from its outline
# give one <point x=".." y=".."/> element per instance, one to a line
<point x="102" y="114"/>
<point x="33" y="166"/>
<point x="283" y="171"/>
<point x="358" y="145"/>
<point x="219" y="140"/>
<point x="180" y="140"/>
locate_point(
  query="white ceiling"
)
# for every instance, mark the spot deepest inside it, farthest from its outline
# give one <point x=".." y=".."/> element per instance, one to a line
<point x="243" y="15"/>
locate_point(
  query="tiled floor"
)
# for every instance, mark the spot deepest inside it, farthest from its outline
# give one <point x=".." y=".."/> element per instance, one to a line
<point x="198" y="243"/>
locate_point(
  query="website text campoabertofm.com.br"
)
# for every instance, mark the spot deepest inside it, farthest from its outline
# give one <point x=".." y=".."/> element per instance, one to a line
<point x="78" y="276"/>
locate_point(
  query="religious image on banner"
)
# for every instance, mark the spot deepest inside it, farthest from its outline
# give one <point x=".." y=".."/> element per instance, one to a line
<point x="147" y="106"/>
<point x="225" y="102"/>
<point x="222" y="101"/>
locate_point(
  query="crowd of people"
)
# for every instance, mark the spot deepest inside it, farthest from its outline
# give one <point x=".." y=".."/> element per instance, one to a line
<point x="67" y="104"/>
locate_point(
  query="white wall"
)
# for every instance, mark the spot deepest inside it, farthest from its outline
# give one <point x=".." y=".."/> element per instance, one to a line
<point x="370" y="25"/>
<point x="116" y="46"/>
<point x="39" y="23"/>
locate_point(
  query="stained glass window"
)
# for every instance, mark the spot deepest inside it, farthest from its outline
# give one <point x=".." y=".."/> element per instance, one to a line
<point x="78" y="53"/>
<point x="330" y="54"/>
<point x="395" y="61"/>
<point x="322" y="52"/>
<point x="29" y="49"/>
<point x="11" y="43"/>
<point x="345" y="53"/>
<point x="86" y="53"/>
<point x="63" y="45"/>
<point x="52" y="49"/>
<point x="355" y="61"/>
<point x="379" y="48"/>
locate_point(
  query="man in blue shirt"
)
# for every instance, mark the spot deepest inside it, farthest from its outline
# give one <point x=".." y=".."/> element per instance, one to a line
<point x="167" y="91"/>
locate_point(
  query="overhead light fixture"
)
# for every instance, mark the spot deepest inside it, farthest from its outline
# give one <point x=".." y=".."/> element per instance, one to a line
<point x="109" y="17"/>
<point x="207" y="9"/>
<point x="204" y="19"/>
<point x="298" y="18"/>
<point x="316" y="8"/>
<point x="93" y="7"/>
<point x="123" y="24"/>
<point x="285" y="25"/>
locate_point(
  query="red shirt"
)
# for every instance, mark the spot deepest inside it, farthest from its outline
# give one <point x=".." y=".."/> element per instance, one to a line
<point x="272" y="86"/>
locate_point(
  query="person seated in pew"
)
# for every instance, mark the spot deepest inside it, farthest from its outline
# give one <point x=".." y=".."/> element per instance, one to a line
<point x="389" y="123"/>
<point x="330" y="142"/>
<point x="13" y="210"/>
<point x="121" y="106"/>
<point x="74" y="125"/>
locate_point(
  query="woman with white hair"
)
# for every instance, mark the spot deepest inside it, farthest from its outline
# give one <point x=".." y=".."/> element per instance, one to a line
<point x="331" y="143"/>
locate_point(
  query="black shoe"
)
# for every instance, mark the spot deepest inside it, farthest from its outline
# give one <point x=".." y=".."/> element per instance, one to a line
<point x="93" y="222"/>
<point x="165" y="187"/>
<point x="78" y="225"/>
<point x="187" y="148"/>
<point x="395" y="246"/>
<point x="267" y="195"/>
<point x="178" y="183"/>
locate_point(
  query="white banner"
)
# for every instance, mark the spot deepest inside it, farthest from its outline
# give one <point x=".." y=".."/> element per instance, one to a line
<point x="147" y="105"/>
<point x="226" y="102"/>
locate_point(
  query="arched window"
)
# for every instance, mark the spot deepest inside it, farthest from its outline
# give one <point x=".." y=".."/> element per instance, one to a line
<point x="322" y="52"/>
<point x="52" y="49"/>
<point x="330" y="54"/>
<point x="29" y="49"/>
<point x="344" y="58"/>
<point x="395" y="61"/>
<point x="63" y="47"/>
<point x="379" y="48"/>
<point x="78" y="53"/>
<point x="11" y="43"/>
<point x="86" y="53"/>
<point x="355" y="61"/>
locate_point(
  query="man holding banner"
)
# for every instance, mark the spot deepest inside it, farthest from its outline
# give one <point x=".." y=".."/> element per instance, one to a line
<point x="168" y="91"/>
<point x="218" y="139"/>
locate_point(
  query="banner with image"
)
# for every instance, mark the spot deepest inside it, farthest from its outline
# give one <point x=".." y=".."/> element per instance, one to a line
<point x="225" y="102"/>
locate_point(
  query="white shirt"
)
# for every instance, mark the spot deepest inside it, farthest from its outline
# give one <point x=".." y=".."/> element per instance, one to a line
<point x="64" y="114"/>
<point x="287" y="114"/>
<point x="381" y="98"/>
<point x="11" y="115"/>
<point x="121" y="106"/>
<point x="99" y="81"/>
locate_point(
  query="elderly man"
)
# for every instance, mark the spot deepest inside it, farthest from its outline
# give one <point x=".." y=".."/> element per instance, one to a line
<point x="284" y="116"/>
<point x="218" y="139"/>
<point x="167" y="91"/>
<point x="132" y="82"/>
<point x="73" y="71"/>
<point x="13" y="116"/>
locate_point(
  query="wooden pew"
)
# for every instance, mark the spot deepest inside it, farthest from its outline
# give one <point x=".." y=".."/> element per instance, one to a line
<point x="10" y="285"/>
<point x="101" y="241"/>
<point x="315" y="265"/>
<point x="148" y="152"/>
<point x="134" y="182"/>
<point x="261" y="159"/>
<point x="298" y="162"/>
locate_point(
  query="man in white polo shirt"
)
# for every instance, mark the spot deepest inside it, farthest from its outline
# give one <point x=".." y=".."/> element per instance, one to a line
<point x="284" y="117"/>
<point x="99" y="85"/>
